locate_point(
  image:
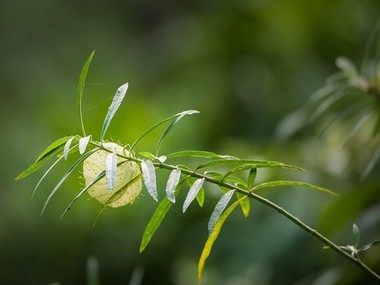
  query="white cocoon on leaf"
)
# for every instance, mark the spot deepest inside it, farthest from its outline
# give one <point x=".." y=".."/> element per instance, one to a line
<point x="128" y="180"/>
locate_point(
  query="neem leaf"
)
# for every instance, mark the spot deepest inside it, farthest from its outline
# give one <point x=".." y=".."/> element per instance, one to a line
<point x="192" y="193"/>
<point x="355" y="235"/>
<point x="149" y="176"/>
<point x="80" y="89"/>
<point x="172" y="184"/>
<point x="213" y="236"/>
<point x="117" y="99"/>
<point x="281" y="183"/>
<point x="83" y="142"/>
<point x="111" y="167"/>
<point x="218" y="210"/>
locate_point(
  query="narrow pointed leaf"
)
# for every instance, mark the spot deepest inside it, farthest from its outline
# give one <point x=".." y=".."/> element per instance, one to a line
<point x="81" y="83"/>
<point x="282" y="183"/>
<point x="192" y="193"/>
<point x="355" y="235"/>
<point x="67" y="147"/>
<point x="254" y="163"/>
<point x="194" y="153"/>
<point x="52" y="147"/>
<point x="111" y="167"/>
<point x="155" y="222"/>
<point x="179" y="117"/>
<point x="83" y="142"/>
<point x="96" y="179"/>
<point x="240" y="168"/>
<point x="67" y="174"/>
<point x="368" y="246"/>
<point x="201" y="197"/>
<point x="172" y="183"/>
<point x="117" y="99"/>
<point x="213" y="236"/>
<point x="159" y="124"/>
<point x="245" y="204"/>
<point x="149" y="176"/>
<point x="251" y="177"/>
<point x="32" y="168"/>
<point x="218" y="210"/>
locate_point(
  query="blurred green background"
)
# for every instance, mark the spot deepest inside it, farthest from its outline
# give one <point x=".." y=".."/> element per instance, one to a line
<point x="244" y="65"/>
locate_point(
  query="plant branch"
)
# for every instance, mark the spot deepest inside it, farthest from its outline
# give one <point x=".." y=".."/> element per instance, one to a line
<point x="266" y="202"/>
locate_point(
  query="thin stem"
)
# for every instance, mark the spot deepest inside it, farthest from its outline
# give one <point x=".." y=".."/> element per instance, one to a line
<point x="266" y="202"/>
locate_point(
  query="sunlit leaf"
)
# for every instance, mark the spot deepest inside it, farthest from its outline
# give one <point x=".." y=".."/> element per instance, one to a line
<point x="67" y="174"/>
<point x="192" y="193"/>
<point x="282" y="183"/>
<point x="116" y="102"/>
<point x="172" y="183"/>
<point x="355" y="235"/>
<point x="149" y="176"/>
<point x="213" y="236"/>
<point x="245" y="204"/>
<point x="111" y="167"/>
<point x="218" y="210"/>
<point x="83" y="142"/>
<point x="67" y="147"/>
<point x="81" y="82"/>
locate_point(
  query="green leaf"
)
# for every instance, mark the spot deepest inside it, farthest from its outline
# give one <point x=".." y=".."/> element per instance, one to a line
<point x="201" y="197"/>
<point x="149" y="176"/>
<point x="189" y="112"/>
<point x="346" y="65"/>
<point x="172" y="183"/>
<point x="213" y="236"/>
<point x="355" y="235"/>
<point x="254" y="163"/>
<point x="83" y="142"/>
<point x="53" y="147"/>
<point x="44" y="157"/>
<point x="244" y="204"/>
<point x="239" y="168"/>
<point x="218" y="210"/>
<point x="116" y="102"/>
<point x="197" y="185"/>
<point x="251" y="177"/>
<point x="147" y="154"/>
<point x="194" y="153"/>
<point x="67" y="174"/>
<point x="179" y="117"/>
<point x="111" y="167"/>
<point x="81" y="82"/>
<point x="155" y="222"/>
<point x="282" y="183"/>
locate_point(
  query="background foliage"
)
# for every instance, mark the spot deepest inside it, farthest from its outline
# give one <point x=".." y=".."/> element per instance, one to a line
<point x="244" y="65"/>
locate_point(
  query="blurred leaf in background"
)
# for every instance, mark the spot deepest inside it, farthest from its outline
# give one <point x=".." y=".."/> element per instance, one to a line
<point x="243" y="64"/>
